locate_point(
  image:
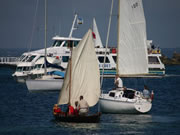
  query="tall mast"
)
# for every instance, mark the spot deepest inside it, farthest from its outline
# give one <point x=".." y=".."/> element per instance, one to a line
<point x="73" y="28"/>
<point x="107" y="40"/>
<point x="45" y="38"/>
<point x="71" y="44"/>
<point x="118" y="38"/>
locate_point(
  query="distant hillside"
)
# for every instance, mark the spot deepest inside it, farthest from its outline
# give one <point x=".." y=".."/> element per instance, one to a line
<point x="175" y="60"/>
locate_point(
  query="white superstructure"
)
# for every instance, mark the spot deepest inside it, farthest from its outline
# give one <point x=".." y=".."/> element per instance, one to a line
<point x="60" y="50"/>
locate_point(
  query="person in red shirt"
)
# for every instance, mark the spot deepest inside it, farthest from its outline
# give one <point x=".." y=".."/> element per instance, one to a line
<point x="71" y="110"/>
<point x="56" y="109"/>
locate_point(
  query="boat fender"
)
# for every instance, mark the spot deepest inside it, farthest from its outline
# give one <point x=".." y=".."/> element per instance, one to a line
<point x="152" y="95"/>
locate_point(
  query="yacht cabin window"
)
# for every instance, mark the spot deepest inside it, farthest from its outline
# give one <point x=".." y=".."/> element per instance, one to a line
<point x="19" y="69"/>
<point x="37" y="66"/>
<point x="153" y="60"/>
<point x="114" y="58"/>
<point x="111" y="94"/>
<point x="101" y="59"/>
<point x="75" y="43"/>
<point x="65" y="58"/>
<point x="65" y="44"/>
<point x="31" y="58"/>
<point x="57" y="43"/>
<point x="25" y="58"/>
<point x="27" y="68"/>
<point x="22" y="57"/>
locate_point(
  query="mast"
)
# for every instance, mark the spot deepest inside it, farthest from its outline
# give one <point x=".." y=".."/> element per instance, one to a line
<point x="118" y="38"/>
<point x="33" y="29"/>
<point x="70" y="74"/>
<point x="72" y="28"/>
<point x="107" y="40"/>
<point x="45" y="38"/>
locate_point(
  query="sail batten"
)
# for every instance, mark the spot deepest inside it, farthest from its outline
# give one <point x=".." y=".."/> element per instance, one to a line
<point x="85" y="74"/>
<point x="132" y="48"/>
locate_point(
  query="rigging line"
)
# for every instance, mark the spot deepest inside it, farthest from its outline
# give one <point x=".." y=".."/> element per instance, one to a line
<point x="107" y="40"/>
<point x="45" y="36"/>
<point x="34" y="23"/>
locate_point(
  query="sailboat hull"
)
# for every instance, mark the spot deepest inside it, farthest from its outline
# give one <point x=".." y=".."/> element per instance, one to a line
<point x="94" y="118"/>
<point x="44" y="85"/>
<point x="127" y="106"/>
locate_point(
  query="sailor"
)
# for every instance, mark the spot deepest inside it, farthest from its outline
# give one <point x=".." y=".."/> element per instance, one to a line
<point x="70" y="110"/>
<point x="76" y="112"/>
<point x="146" y="93"/>
<point x="118" y="82"/>
<point x="56" y="110"/>
<point x="83" y="106"/>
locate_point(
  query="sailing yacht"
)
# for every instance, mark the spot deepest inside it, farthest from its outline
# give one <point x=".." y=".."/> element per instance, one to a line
<point x="132" y="60"/>
<point x="82" y="78"/>
<point x="51" y="82"/>
<point x="46" y="81"/>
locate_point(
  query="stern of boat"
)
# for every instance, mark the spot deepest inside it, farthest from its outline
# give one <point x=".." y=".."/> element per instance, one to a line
<point x="143" y="105"/>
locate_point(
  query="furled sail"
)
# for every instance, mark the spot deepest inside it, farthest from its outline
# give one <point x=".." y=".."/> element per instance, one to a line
<point x="85" y="74"/>
<point x="132" y="48"/>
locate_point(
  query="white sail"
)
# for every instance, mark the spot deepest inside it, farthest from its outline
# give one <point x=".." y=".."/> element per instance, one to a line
<point x="132" y="48"/>
<point x="85" y="74"/>
<point x="97" y="38"/>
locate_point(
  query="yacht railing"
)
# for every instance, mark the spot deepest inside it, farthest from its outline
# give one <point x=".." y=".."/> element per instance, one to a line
<point x="9" y="60"/>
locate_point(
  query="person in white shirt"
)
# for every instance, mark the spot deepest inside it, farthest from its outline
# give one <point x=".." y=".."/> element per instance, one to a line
<point x="83" y="106"/>
<point x="146" y="92"/>
<point x="118" y="82"/>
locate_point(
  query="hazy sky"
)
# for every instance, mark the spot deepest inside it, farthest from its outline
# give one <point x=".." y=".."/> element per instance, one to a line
<point x="17" y="18"/>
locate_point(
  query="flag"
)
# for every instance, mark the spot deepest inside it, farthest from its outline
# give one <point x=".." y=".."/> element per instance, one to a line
<point x="79" y="21"/>
<point x="94" y="35"/>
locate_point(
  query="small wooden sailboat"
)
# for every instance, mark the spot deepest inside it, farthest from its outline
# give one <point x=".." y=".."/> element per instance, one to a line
<point x="82" y="78"/>
<point x="131" y="60"/>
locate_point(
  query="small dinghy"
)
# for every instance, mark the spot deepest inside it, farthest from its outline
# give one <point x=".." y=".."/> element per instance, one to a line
<point x="82" y="79"/>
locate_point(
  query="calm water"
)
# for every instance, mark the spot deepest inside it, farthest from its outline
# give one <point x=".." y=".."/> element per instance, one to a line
<point x="22" y="112"/>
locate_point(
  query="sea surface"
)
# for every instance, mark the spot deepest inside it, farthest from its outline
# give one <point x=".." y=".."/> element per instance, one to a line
<point x="26" y="113"/>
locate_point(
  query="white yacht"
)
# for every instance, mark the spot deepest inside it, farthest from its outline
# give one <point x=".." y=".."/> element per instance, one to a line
<point x="124" y="101"/>
<point x="38" y="70"/>
<point x="27" y="62"/>
<point x="155" y="64"/>
<point x="61" y="50"/>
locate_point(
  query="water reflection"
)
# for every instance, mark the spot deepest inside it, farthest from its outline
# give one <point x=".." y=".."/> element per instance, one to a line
<point x="126" y="118"/>
<point x="126" y="124"/>
<point x="110" y="124"/>
<point x="78" y="125"/>
<point x="79" y="128"/>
